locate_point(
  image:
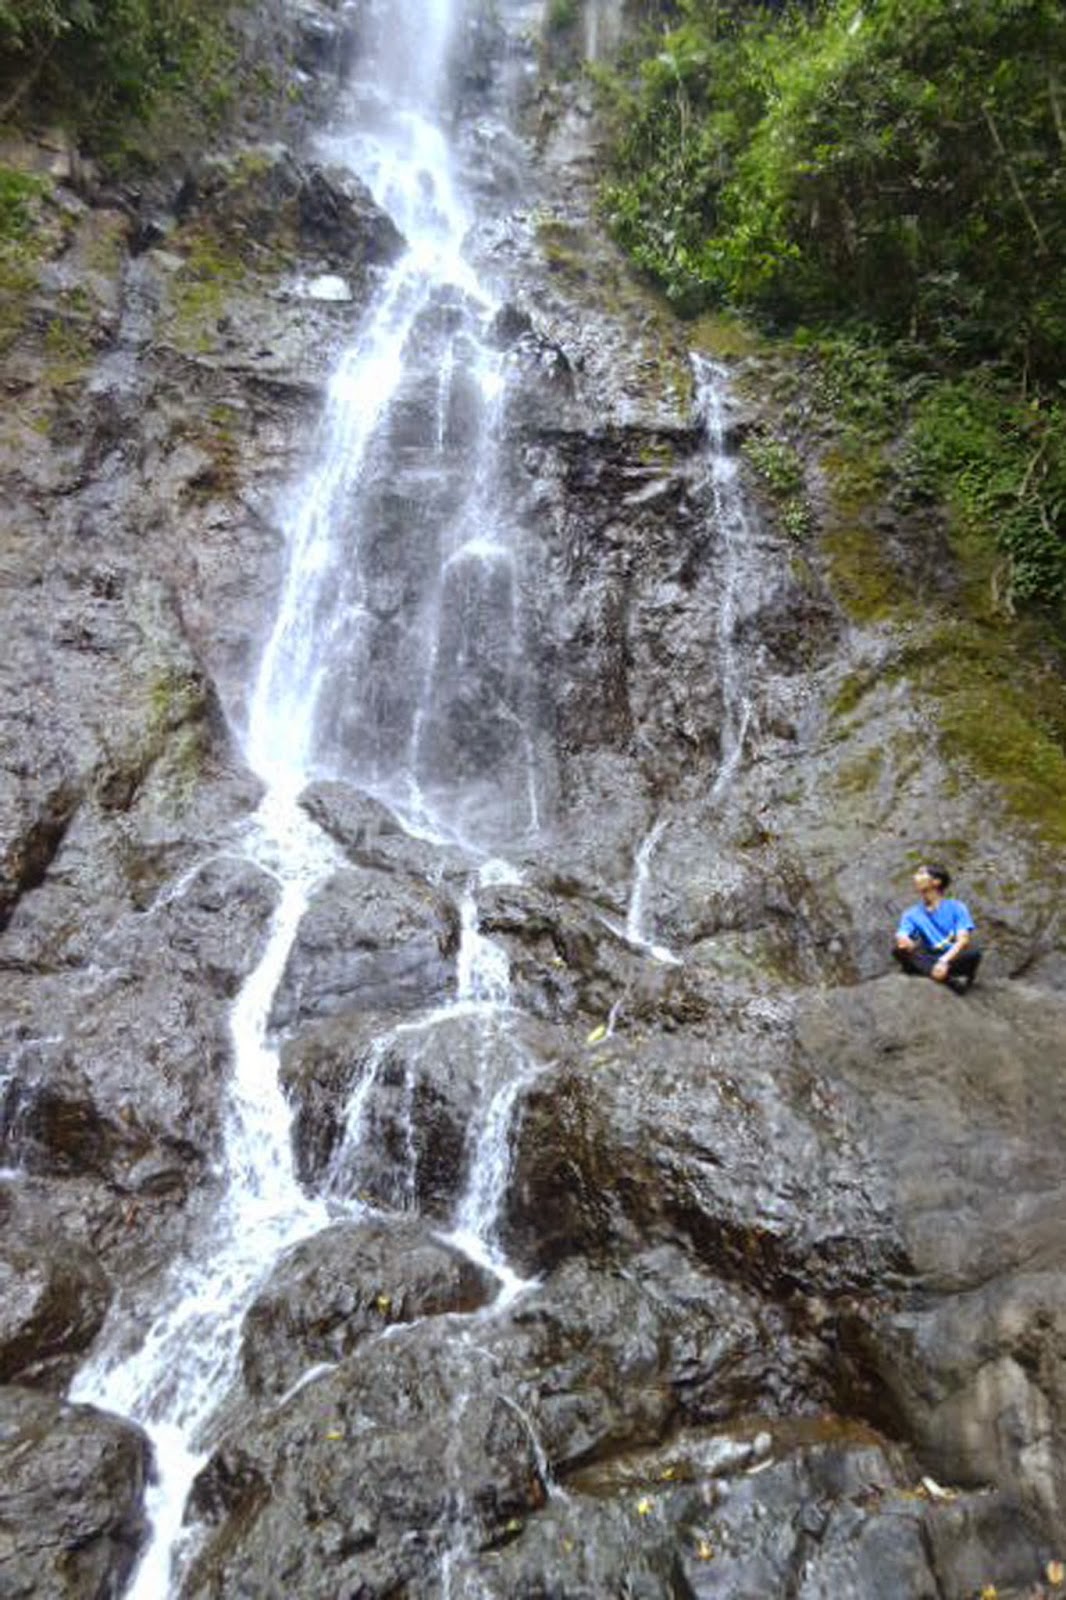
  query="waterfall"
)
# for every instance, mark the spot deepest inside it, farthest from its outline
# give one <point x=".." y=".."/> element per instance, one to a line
<point x="173" y="1383"/>
<point x="395" y="663"/>
<point x="735" y="540"/>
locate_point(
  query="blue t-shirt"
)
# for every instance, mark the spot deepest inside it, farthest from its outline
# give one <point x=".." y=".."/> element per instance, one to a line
<point x="936" y="929"/>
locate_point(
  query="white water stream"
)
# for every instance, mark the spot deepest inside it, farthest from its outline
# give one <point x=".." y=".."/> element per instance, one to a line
<point x="735" y="536"/>
<point x="328" y="700"/>
<point x="346" y="690"/>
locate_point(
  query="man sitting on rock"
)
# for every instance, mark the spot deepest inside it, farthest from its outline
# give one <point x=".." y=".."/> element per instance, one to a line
<point x="935" y="936"/>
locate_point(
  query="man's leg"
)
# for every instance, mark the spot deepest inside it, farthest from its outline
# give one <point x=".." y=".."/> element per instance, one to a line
<point x="964" y="968"/>
<point x="916" y="963"/>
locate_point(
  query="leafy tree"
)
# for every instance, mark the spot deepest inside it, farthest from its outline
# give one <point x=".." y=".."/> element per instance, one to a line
<point x="94" y="61"/>
<point x="896" y="170"/>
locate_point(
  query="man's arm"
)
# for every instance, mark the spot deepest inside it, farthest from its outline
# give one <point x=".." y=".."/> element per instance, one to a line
<point x="958" y="944"/>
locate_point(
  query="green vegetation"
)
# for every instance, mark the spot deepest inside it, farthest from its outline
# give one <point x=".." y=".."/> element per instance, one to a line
<point x="884" y="181"/>
<point x="780" y="467"/>
<point x="102" y="66"/>
<point x="19" y="250"/>
<point x="561" y="15"/>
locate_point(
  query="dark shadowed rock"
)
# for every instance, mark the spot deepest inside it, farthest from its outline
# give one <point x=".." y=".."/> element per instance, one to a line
<point x="606" y="1359"/>
<point x="336" y="1289"/>
<point x="810" y="1509"/>
<point x="703" y="1138"/>
<point x="90" y="1090"/>
<point x="54" y="1294"/>
<point x="337" y="211"/>
<point x="371" y="835"/>
<point x="370" y="941"/>
<point x="391" y="1111"/>
<point x="71" y="1498"/>
<point x="365" y="1479"/>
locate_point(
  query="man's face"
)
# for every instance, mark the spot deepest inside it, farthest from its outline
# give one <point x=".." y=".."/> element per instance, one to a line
<point x="924" y="883"/>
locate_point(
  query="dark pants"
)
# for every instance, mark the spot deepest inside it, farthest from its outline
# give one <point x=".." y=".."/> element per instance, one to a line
<point x="920" y="962"/>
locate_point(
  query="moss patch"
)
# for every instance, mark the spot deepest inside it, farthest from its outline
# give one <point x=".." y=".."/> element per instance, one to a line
<point x="857" y="472"/>
<point x="24" y="245"/>
<point x="779" y="465"/>
<point x="211" y="273"/>
<point x="861" y="574"/>
<point x="724" y="336"/>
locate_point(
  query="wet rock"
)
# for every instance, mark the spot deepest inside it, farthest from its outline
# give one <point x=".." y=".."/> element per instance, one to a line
<point x="370" y="941"/>
<point x="338" y="212"/>
<point x="820" y="1509"/>
<point x="266" y="194"/>
<point x="605" y="1358"/>
<point x="90" y="1092"/>
<point x="337" y="1289"/>
<point x="54" y="1294"/>
<point x="72" y="1485"/>
<point x="701" y="1138"/>
<point x="393" y="1113"/>
<point x="371" y="835"/>
<point x="368" y="1477"/>
<point x="959" y="1101"/>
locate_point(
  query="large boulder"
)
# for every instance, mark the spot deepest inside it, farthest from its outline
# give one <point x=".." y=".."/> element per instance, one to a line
<point x="72" y="1483"/>
<point x="370" y="941"/>
<point x="366" y="1479"/>
<point x="959" y="1100"/>
<point x="54" y="1294"/>
<point x="400" y="1111"/>
<point x="712" y="1137"/>
<point x="343" y="1285"/>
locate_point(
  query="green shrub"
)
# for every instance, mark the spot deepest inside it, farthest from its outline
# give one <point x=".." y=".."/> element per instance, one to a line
<point x="98" y="64"/>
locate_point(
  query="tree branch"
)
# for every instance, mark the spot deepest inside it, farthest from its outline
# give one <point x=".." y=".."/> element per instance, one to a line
<point x="1012" y="177"/>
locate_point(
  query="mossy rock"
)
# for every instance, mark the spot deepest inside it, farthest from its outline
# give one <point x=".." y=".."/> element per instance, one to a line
<point x="863" y="577"/>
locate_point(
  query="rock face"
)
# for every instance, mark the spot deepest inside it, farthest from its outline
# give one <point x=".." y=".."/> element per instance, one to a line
<point x="669" y="1242"/>
<point x="71" y="1492"/>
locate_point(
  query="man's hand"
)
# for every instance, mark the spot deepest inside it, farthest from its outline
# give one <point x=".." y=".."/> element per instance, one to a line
<point x="903" y="942"/>
<point x="941" y="970"/>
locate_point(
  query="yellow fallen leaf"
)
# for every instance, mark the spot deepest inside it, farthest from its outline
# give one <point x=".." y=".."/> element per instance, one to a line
<point x="704" y="1550"/>
<point x="1056" y="1574"/>
<point x="989" y="1592"/>
<point x="568" y="1546"/>
<point x="334" y="1435"/>
<point x="667" y="1473"/>
<point x="643" y="1506"/>
<point x="597" y="1034"/>
<point x="384" y="1304"/>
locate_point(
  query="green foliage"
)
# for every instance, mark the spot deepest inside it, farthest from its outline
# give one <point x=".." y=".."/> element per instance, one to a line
<point x="18" y="190"/>
<point x="899" y="163"/>
<point x="19" y="248"/>
<point x="890" y="174"/>
<point x="1000" y="461"/>
<point x="97" y="64"/>
<point x="780" y="467"/>
<point x="561" y="15"/>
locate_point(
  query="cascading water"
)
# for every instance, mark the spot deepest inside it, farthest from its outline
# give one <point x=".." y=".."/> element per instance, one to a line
<point x="735" y="542"/>
<point x="395" y="663"/>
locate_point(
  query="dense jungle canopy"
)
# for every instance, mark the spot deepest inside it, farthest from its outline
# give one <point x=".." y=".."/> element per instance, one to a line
<point x="892" y="172"/>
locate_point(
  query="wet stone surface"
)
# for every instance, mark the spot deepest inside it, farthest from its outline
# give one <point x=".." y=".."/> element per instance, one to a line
<point x="796" y="1309"/>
